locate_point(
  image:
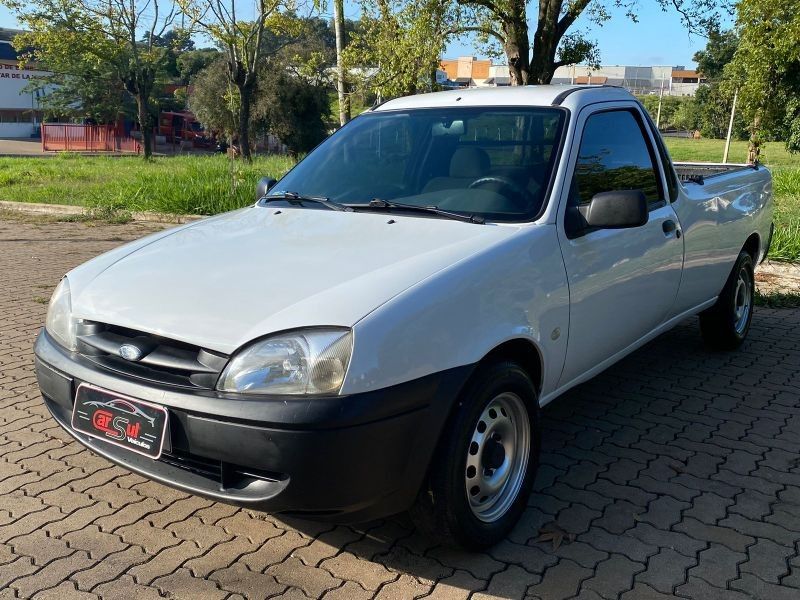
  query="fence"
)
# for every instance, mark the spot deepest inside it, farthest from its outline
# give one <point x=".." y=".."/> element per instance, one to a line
<point x="85" y="138"/>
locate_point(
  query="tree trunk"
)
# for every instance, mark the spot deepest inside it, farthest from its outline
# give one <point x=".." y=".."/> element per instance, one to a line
<point x="245" y="96"/>
<point x="516" y="43"/>
<point x="543" y="66"/>
<point x="545" y="42"/>
<point x="143" y="108"/>
<point x="338" y="26"/>
<point x="754" y="146"/>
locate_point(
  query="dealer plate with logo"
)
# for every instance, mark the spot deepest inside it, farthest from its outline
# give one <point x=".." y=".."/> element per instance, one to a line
<point x="126" y="422"/>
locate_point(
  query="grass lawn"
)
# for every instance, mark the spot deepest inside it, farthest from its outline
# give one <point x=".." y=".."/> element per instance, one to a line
<point x="213" y="184"/>
<point x="773" y="154"/>
<point x="179" y="185"/>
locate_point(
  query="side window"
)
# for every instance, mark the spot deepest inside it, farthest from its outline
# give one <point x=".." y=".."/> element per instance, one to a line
<point x="614" y="155"/>
<point x="666" y="163"/>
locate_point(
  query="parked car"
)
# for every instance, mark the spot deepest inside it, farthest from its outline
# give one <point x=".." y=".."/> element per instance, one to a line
<point x="379" y="331"/>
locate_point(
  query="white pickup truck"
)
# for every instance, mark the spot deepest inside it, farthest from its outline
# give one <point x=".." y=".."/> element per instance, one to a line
<point x="379" y="331"/>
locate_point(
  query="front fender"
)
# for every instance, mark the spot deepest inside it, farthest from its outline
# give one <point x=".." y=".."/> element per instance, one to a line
<point x="514" y="289"/>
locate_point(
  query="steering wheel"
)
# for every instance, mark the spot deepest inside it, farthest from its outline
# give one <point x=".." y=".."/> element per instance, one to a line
<point x="520" y="195"/>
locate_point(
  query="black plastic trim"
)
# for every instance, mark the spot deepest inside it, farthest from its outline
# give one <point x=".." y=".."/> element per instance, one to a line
<point x="344" y="458"/>
<point x="769" y="241"/>
<point x="559" y="100"/>
<point x="298" y="412"/>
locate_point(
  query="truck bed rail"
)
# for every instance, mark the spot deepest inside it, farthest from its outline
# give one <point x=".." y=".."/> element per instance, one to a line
<point x="698" y="172"/>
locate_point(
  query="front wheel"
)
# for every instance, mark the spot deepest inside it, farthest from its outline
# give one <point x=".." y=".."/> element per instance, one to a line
<point x="486" y="461"/>
<point x="725" y="325"/>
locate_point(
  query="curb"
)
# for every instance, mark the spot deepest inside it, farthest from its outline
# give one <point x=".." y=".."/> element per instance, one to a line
<point x="37" y="208"/>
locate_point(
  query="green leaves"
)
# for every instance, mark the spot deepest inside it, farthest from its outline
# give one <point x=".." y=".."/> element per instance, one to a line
<point x="92" y="46"/>
<point x="766" y="68"/>
<point x="397" y="49"/>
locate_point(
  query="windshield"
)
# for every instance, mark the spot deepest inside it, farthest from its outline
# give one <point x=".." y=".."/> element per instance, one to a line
<point x="494" y="163"/>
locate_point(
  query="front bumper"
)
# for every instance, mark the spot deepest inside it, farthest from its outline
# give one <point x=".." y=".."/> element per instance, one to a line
<point x="345" y="458"/>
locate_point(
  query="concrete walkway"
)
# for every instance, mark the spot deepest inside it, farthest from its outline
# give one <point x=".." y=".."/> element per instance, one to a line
<point x="674" y="474"/>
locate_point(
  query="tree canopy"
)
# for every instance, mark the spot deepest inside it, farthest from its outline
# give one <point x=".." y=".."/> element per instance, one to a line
<point x="403" y="38"/>
<point x="714" y="100"/>
<point x="766" y="68"/>
<point x="397" y="48"/>
<point x="243" y="43"/>
<point x="290" y="99"/>
<point x="99" y="40"/>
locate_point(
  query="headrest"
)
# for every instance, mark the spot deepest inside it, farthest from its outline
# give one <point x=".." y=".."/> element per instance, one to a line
<point x="469" y="162"/>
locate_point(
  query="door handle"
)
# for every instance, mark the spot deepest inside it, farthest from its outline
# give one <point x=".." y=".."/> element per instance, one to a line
<point x="669" y="226"/>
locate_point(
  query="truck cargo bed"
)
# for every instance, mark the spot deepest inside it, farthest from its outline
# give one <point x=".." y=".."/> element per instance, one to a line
<point x="698" y="172"/>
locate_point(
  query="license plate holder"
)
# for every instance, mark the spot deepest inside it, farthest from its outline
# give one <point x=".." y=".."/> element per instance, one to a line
<point x="126" y="422"/>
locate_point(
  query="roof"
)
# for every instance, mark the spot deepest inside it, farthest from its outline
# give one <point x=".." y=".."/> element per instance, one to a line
<point x="584" y="79"/>
<point x="684" y="73"/>
<point x="8" y="35"/>
<point x="529" y="95"/>
<point x="7" y="52"/>
<point x="499" y="80"/>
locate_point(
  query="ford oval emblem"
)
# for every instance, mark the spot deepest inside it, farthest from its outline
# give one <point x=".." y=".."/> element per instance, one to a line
<point x="130" y="352"/>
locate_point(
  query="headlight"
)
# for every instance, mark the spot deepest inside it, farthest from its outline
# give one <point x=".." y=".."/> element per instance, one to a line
<point x="303" y="362"/>
<point x="60" y="324"/>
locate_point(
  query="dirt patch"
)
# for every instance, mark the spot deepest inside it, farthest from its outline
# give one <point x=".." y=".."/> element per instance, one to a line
<point x="778" y="284"/>
<point x="18" y="227"/>
<point x="778" y="277"/>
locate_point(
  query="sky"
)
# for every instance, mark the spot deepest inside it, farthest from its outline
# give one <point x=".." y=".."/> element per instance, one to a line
<point x="659" y="38"/>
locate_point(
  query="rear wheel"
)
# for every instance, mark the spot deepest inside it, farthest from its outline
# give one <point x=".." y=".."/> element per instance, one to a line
<point x="725" y="325"/>
<point x="486" y="461"/>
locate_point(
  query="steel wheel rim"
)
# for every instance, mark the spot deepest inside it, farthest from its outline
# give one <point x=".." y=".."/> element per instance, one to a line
<point x="742" y="300"/>
<point x="493" y="477"/>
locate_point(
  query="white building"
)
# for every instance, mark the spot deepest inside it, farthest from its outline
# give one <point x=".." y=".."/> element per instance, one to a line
<point x="20" y="114"/>
<point x="674" y="81"/>
<point x="467" y="71"/>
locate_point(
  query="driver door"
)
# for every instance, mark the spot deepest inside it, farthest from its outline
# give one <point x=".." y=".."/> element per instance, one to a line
<point x="622" y="282"/>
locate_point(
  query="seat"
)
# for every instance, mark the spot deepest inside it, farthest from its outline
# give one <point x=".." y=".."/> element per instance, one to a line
<point x="466" y="165"/>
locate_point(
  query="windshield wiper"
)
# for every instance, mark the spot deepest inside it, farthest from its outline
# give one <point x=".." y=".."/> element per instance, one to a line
<point x="378" y="204"/>
<point x="298" y="199"/>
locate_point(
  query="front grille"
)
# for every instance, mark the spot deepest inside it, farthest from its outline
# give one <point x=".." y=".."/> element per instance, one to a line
<point x="161" y="360"/>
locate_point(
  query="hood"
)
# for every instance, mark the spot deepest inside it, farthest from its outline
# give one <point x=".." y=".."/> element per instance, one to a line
<point x="224" y="281"/>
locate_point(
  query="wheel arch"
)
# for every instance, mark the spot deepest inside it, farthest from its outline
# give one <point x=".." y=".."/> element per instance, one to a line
<point x="752" y="246"/>
<point x="523" y="351"/>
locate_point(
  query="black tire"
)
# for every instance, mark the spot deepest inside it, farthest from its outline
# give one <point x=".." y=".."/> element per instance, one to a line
<point x="724" y="326"/>
<point x="443" y="508"/>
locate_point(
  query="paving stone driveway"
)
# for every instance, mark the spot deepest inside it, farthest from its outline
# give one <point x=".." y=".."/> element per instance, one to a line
<point x="677" y="473"/>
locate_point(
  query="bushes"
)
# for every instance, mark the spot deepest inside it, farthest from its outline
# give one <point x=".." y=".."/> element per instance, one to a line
<point x="178" y="185"/>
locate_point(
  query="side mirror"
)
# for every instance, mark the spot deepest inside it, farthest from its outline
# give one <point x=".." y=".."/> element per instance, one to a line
<point x="616" y="210"/>
<point x="263" y="186"/>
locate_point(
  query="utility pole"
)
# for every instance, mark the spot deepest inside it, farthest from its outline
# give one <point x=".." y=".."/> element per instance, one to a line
<point x="730" y="128"/>
<point x="660" y="98"/>
<point x="338" y="27"/>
